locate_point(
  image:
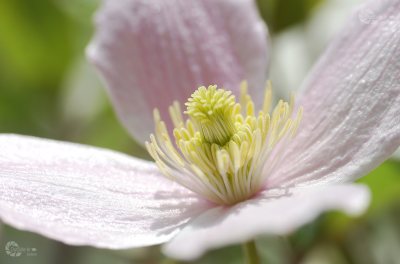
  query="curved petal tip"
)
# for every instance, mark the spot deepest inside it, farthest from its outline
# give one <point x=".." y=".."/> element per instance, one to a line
<point x="275" y="212"/>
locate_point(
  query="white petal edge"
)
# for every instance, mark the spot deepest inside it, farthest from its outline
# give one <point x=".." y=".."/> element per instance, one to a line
<point x="274" y="212"/>
<point x="351" y="100"/>
<point x="151" y="53"/>
<point x="396" y="155"/>
<point x="82" y="195"/>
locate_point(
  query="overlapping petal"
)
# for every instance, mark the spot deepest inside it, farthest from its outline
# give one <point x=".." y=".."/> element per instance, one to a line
<point x="153" y="52"/>
<point x="83" y="195"/>
<point x="351" y="103"/>
<point x="274" y="212"/>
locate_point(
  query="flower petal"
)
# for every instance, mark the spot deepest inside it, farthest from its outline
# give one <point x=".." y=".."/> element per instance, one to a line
<point x="275" y="212"/>
<point x="153" y="52"/>
<point x="351" y="101"/>
<point x="83" y="195"/>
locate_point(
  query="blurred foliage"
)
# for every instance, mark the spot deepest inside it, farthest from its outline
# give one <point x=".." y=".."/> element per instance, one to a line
<point x="43" y="78"/>
<point x="41" y="42"/>
<point x="281" y="14"/>
<point x="384" y="183"/>
<point x="36" y="43"/>
<point x="35" y="51"/>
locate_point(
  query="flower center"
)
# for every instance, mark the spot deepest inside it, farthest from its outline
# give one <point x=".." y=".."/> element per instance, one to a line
<point x="213" y="112"/>
<point x="222" y="151"/>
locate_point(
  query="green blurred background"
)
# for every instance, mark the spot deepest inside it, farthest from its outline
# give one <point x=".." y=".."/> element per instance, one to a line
<point x="47" y="89"/>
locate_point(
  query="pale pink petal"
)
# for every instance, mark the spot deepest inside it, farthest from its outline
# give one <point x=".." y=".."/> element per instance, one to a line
<point x="351" y="101"/>
<point x="153" y="52"/>
<point x="274" y="212"/>
<point x="83" y="195"/>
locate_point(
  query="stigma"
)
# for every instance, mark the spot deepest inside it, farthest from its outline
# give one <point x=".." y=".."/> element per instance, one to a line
<point x="222" y="149"/>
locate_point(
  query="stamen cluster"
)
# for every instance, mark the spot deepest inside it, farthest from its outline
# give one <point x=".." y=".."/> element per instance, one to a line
<point x="221" y="150"/>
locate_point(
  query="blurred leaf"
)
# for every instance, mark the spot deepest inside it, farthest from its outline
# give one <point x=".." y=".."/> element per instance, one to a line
<point x="35" y="41"/>
<point x="304" y="238"/>
<point x="28" y="112"/>
<point x="38" y="42"/>
<point x="274" y="249"/>
<point x="106" y="131"/>
<point x="227" y="255"/>
<point x="377" y="239"/>
<point x="281" y="14"/>
<point x="80" y="10"/>
<point x="384" y="183"/>
<point x="324" y="253"/>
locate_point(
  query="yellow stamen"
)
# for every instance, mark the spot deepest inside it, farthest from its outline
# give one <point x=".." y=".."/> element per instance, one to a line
<point x="213" y="111"/>
<point x="221" y="151"/>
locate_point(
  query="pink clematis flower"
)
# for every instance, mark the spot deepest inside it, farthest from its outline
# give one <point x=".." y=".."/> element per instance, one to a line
<point x="153" y="52"/>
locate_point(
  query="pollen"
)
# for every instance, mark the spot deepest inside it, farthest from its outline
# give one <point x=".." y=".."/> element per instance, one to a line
<point x="222" y="150"/>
